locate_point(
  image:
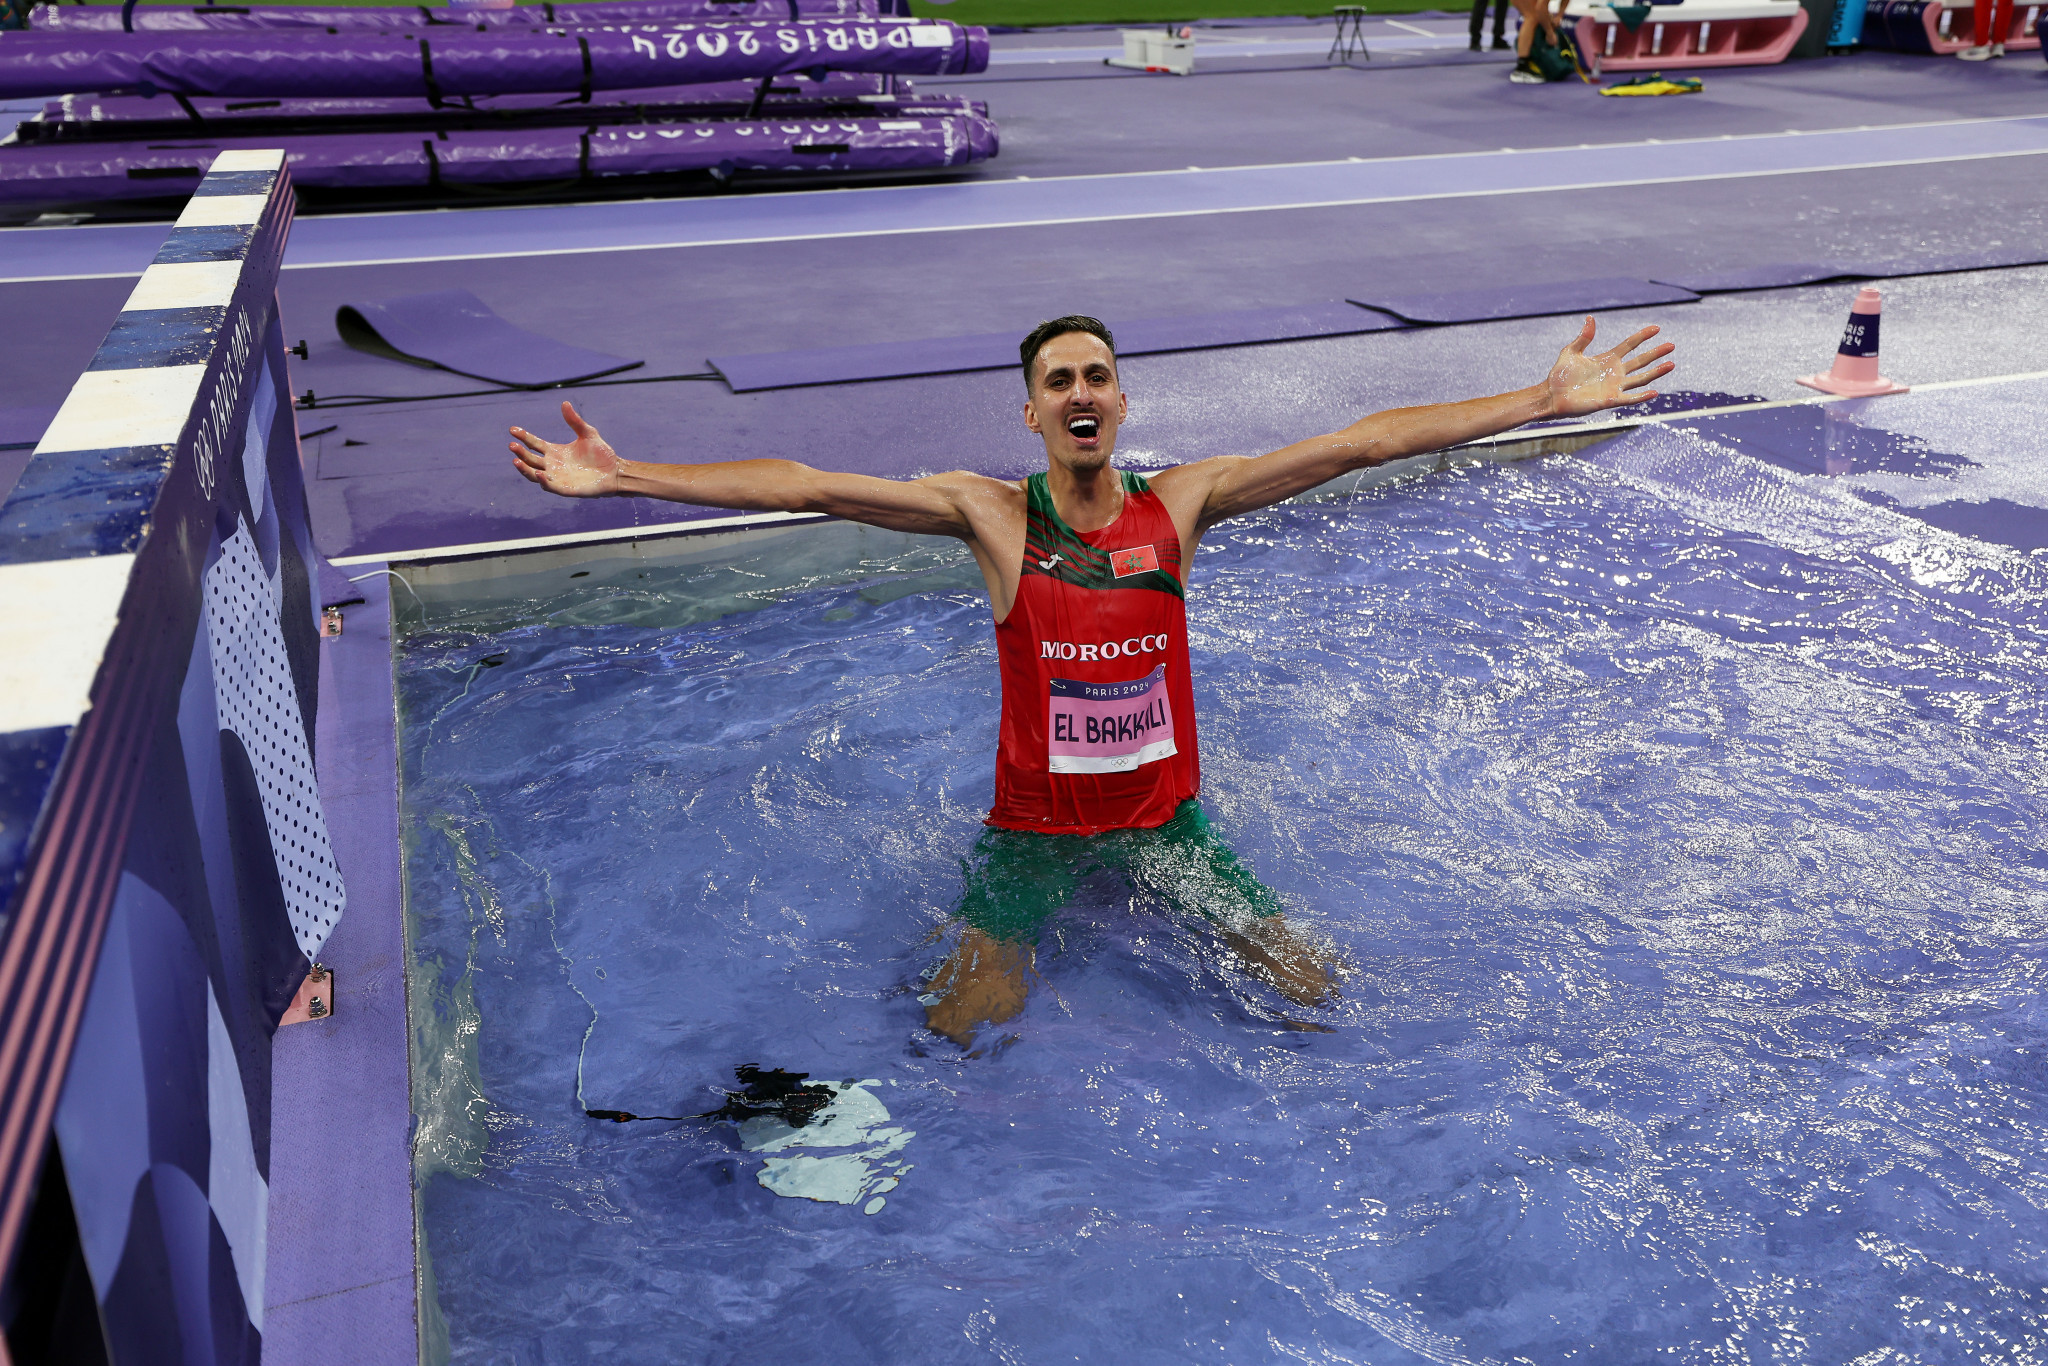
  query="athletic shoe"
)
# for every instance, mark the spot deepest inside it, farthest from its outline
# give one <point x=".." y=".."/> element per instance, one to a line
<point x="1525" y="73"/>
<point x="1475" y="44"/>
<point x="1500" y="44"/>
<point x="1982" y="52"/>
<point x="1998" y="49"/>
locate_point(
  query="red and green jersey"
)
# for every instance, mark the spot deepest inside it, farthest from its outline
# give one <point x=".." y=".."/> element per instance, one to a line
<point x="1098" y="725"/>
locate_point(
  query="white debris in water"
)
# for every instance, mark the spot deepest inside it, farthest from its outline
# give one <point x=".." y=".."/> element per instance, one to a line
<point x="854" y="1119"/>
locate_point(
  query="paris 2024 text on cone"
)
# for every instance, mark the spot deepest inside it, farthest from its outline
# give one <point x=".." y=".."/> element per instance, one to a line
<point x="1855" y="369"/>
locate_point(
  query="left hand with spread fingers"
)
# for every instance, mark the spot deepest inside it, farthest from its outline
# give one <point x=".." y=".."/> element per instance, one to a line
<point x="1581" y="384"/>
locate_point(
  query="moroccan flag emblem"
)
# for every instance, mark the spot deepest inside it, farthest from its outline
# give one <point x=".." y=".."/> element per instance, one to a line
<point x="1140" y="560"/>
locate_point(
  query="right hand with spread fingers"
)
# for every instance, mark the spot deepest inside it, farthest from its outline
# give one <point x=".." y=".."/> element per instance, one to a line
<point x="584" y="468"/>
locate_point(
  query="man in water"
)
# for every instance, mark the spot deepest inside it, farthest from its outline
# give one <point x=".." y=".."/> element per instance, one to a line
<point x="1086" y="567"/>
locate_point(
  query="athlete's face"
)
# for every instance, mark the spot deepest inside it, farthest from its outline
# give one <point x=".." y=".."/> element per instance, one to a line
<point x="1075" y="404"/>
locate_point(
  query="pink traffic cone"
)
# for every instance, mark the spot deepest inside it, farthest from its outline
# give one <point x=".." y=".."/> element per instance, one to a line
<point x="1855" y="369"/>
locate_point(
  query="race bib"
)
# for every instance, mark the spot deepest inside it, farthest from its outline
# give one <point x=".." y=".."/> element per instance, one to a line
<point x="1108" y="727"/>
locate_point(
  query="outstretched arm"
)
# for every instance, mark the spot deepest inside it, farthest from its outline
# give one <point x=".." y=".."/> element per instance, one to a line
<point x="589" y="468"/>
<point x="1578" y="384"/>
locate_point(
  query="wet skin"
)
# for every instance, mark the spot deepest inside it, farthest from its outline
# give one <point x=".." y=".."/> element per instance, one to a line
<point x="985" y="981"/>
<point x="1075" y="406"/>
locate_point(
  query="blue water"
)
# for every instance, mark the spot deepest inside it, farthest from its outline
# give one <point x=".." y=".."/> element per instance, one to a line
<point x="1677" y="820"/>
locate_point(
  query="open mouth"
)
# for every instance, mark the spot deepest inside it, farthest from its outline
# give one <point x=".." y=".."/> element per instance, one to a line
<point x="1084" y="426"/>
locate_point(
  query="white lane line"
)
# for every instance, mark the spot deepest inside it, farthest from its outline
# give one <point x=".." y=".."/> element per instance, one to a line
<point x="631" y="533"/>
<point x="1519" y="436"/>
<point x="1217" y="48"/>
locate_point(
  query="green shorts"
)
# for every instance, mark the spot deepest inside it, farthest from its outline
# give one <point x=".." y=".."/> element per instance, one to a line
<point x="1017" y="880"/>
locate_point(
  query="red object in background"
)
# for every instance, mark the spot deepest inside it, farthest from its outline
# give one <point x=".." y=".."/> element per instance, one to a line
<point x="1994" y="17"/>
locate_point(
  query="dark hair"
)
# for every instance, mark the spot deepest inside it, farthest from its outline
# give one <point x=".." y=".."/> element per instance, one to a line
<point x="1059" y="327"/>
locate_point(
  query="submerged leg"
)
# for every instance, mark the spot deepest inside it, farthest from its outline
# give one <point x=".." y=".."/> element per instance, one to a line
<point x="1284" y="960"/>
<point x="1015" y="882"/>
<point x="1198" y="872"/>
<point x="984" y="981"/>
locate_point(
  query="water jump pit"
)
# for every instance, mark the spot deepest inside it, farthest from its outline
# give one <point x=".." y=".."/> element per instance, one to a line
<point x="1666" y="810"/>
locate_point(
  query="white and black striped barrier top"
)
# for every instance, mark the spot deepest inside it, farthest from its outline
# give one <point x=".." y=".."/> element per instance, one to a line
<point x="102" y="544"/>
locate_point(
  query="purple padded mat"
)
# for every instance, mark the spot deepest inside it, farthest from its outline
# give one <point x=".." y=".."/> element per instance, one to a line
<point x="105" y="116"/>
<point x="409" y="18"/>
<point x="88" y="172"/>
<point x="1780" y="275"/>
<point x="2023" y="253"/>
<point x="1534" y="300"/>
<point x="452" y="329"/>
<point x="1776" y="275"/>
<point x="998" y="350"/>
<point x="464" y="63"/>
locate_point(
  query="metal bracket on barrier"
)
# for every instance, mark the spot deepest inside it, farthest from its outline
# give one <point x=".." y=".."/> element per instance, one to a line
<point x="315" y="998"/>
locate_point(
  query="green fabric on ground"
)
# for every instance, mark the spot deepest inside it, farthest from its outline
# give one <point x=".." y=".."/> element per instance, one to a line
<point x="1656" y="83"/>
<point x="1016" y="880"/>
<point x="1554" y="61"/>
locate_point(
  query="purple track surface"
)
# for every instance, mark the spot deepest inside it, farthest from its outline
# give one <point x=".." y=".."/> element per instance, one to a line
<point x="20" y="429"/>
<point x="406" y="476"/>
<point x="340" y="1287"/>
<point x="435" y="473"/>
<point x="428" y="473"/>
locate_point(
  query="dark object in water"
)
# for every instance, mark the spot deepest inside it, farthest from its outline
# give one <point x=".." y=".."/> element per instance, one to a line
<point x="772" y="1092"/>
<point x="775" y="1092"/>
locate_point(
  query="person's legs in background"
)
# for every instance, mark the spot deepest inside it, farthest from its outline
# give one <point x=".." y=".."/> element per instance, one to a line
<point x="1535" y="15"/>
<point x="1500" y="23"/>
<point x="1993" y="18"/>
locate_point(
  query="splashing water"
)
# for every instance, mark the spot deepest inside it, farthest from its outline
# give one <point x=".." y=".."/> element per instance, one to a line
<point x="1675" y="820"/>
